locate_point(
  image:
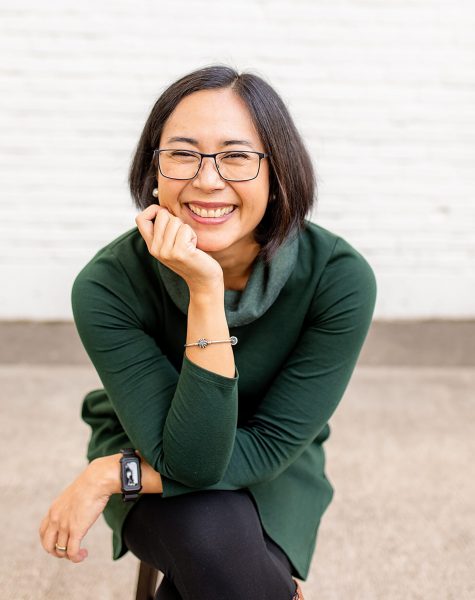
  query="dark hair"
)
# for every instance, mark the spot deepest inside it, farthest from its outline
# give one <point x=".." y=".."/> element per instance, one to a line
<point x="292" y="183"/>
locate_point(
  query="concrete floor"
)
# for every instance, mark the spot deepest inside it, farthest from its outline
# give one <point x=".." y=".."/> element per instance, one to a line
<point x="400" y="456"/>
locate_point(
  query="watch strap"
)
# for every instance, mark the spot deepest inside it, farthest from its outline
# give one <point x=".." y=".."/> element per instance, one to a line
<point x="127" y="452"/>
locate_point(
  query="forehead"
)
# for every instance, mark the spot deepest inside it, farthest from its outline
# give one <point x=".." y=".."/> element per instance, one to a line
<point x="211" y="116"/>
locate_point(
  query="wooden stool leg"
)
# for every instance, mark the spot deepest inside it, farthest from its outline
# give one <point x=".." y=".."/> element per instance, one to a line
<point x="147" y="582"/>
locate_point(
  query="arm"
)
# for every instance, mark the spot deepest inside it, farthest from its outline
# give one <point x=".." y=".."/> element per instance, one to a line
<point x="156" y="406"/>
<point x="107" y="469"/>
<point x="312" y="381"/>
<point x="206" y="316"/>
<point x="77" y="507"/>
<point x="208" y="427"/>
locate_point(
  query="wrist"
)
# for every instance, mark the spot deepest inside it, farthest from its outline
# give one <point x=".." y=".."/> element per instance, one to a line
<point x="106" y="474"/>
<point x="214" y="289"/>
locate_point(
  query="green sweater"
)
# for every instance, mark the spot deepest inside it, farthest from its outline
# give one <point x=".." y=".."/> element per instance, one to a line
<point x="262" y="429"/>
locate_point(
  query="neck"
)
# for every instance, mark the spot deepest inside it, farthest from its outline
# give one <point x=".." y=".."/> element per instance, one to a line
<point x="236" y="265"/>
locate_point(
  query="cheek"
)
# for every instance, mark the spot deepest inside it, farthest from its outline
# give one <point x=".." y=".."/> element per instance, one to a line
<point x="169" y="190"/>
<point x="258" y="200"/>
<point x="255" y="195"/>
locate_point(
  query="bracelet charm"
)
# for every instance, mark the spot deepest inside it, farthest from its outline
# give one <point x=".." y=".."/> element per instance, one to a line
<point x="203" y="342"/>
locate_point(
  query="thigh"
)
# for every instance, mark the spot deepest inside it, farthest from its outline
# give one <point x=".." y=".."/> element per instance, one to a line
<point x="209" y="544"/>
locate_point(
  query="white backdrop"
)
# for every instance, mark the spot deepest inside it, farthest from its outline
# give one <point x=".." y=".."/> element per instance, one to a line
<point x="382" y="92"/>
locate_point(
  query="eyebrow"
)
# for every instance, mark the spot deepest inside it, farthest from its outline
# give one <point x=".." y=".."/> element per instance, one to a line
<point x="195" y="142"/>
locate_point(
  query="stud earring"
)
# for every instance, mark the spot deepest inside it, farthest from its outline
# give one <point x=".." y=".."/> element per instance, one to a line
<point x="155" y="192"/>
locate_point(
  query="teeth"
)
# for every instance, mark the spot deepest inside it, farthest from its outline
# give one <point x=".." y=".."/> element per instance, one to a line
<point x="218" y="212"/>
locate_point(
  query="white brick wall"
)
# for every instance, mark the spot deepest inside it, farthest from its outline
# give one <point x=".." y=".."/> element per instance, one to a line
<point x="382" y="91"/>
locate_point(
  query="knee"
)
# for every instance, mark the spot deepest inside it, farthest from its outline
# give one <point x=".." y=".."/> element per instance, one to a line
<point x="220" y="528"/>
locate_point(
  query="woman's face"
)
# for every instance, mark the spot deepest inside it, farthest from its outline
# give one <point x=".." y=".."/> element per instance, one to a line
<point x="210" y="118"/>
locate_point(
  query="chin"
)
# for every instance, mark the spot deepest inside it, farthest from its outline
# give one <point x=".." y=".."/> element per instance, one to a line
<point x="211" y="245"/>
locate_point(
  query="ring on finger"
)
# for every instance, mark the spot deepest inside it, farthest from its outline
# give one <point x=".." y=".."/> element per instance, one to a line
<point x="60" y="548"/>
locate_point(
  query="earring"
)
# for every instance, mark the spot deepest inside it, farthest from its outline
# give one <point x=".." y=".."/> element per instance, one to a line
<point x="155" y="192"/>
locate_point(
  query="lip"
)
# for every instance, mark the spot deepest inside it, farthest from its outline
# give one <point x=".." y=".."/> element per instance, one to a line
<point x="210" y="205"/>
<point x="209" y="220"/>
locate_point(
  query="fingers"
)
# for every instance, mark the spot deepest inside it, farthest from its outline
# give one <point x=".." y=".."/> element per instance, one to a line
<point x="51" y="534"/>
<point x="75" y="553"/>
<point x="159" y="228"/>
<point x="62" y="542"/>
<point x="164" y="241"/>
<point x="161" y="222"/>
<point x="144" y="222"/>
<point x="186" y="236"/>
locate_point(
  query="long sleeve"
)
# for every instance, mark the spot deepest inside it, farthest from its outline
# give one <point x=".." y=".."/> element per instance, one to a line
<point x="151" y="399"/>
<point x="311" y="382"/>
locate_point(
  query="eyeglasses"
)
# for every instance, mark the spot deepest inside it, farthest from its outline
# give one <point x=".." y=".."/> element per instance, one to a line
<point x="232" y="165"/>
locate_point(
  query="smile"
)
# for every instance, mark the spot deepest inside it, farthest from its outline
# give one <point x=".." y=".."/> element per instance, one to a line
<point x="215" y="216"/>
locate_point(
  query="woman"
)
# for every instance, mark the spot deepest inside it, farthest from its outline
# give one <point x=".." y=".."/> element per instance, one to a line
<point x="230" y="434"/>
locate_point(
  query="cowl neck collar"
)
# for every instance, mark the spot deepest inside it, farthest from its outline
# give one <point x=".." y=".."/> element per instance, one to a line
<point x="262" y="288"/>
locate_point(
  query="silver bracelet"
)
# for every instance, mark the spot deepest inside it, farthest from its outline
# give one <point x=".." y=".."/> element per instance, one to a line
<point x="202" y="343"/>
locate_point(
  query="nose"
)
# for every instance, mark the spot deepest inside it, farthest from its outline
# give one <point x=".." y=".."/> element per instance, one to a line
<point x="208" y="176"/>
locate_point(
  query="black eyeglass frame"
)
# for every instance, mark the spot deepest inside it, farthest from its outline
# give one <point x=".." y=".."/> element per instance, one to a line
<point x="202" y="155"/>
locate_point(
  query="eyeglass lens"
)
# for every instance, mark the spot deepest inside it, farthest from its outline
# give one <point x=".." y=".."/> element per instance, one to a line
<point x="179" y="164"/>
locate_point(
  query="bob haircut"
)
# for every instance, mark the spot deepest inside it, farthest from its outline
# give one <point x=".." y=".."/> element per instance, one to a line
<point x="292" y="181"/>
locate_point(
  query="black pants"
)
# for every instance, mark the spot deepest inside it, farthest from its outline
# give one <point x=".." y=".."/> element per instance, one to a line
<point x="209" y="545"/>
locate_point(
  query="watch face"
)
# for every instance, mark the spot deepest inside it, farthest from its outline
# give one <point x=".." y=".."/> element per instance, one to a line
<point x="130" y="475"/>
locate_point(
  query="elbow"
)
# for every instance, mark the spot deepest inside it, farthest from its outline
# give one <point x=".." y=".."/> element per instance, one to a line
<point x="197" y="479"/>
<point x="191" y="474"/>
<point x="194" y="467"/>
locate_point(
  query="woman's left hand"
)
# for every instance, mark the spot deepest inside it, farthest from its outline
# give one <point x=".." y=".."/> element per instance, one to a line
<point x="71" y="515"/>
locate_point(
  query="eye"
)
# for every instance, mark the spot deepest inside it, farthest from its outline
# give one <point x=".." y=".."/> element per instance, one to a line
<point x="182" y="153"/>
<point x="237" y="155"/>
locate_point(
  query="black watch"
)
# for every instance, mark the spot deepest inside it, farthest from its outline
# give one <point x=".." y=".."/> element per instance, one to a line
<point x="130" y="474"/>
